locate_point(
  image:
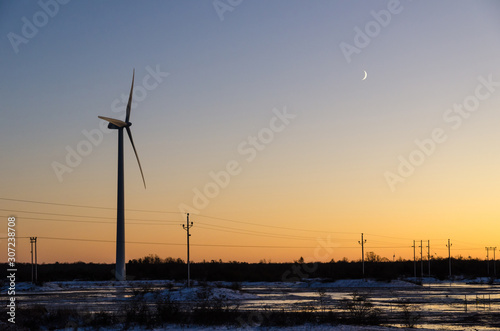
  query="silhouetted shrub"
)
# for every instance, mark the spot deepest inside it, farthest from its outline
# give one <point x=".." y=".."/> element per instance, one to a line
<point x="360" y="310"/>
<point x="138" y="312"/>
<point x="410" y="313"/>
<point x="214" y="310"/>
<point x="32" y="317"/>
<point x="168" y="310"/>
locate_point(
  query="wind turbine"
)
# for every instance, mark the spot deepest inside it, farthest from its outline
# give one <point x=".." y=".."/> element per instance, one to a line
<point x="119" y="125"/>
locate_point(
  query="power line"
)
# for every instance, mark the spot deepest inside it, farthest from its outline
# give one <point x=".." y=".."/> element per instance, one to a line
<point x="208" y="227"/>
<point x="70" y="215"/>
<point x="464" y="242"/>
<point x="199" y="245"/>
<point x="466" y="249"/>
<point x="131" y="219"/>
<point x="378" y="235"/>
<point x="380" y="242"/>
<point x="162" y="222"/>
<point x="244" y="231"/>
<point x="264" y="234"/>
<point x="98" y="222"/>
<point x="250" y="234"/>
<point x="235" y="230"/>
<point x="170" y="212"/>
<point x="272" y="226"/>
<point x="86" y="206"/>
<point x="173" y="223"/>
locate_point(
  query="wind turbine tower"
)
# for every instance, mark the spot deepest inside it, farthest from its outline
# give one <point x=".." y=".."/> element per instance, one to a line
<point x="119" y="125"/>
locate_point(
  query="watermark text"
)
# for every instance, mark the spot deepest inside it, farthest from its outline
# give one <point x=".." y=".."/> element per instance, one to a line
<point x="11" y="269"/>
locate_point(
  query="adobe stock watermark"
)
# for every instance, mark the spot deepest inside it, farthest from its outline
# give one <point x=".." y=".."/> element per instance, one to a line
<point x="11" y="269"/>
<point x="31" y="27"/>
<point x="363" y="37"/>
<point x="223" y="6"/>
<point x="94" y="137"/>
<point x="454" y="117"/>
<point x="299" y="271"/>
<point x="249" y="148"/>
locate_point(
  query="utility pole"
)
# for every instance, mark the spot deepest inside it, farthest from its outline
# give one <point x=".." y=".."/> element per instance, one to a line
<point x="414" y="262"/>
<point x="187" y="227"/>
<point x="421" y="260"/>
<point x="34" y="267"/>
<point x="429" y="255"/>
<point x="494" y="268"/>
<point x="449" y="255"/>
<point x="488" y="259"/>
<point x="362" y="243"/>
<point x="36" y="262"/>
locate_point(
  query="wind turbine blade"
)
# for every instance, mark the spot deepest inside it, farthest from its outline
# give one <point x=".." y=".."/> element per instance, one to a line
<point x="135" y="151"/>
<point x="130" y="98"/>
<point x="114" y="121"/>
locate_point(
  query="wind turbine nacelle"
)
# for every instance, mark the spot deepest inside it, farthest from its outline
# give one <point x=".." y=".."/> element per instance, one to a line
<point x="112" y="126"/>
<point x="115" y="127"/>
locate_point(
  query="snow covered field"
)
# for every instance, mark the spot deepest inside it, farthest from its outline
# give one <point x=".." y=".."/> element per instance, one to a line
<point x="441" y="305"/>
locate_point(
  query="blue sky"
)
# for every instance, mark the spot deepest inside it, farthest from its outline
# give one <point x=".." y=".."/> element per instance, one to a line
<point x="224" y="79"/>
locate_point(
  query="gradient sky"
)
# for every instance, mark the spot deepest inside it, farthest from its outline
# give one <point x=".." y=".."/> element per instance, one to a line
<point x="225" y="71"/>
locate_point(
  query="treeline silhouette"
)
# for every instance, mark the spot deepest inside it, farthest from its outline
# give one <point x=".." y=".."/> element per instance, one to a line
<point x="154" y="267"/>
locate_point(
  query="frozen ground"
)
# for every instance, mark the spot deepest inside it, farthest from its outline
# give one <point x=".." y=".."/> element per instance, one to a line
<point x="312" y="283"/>
<point x="291" y="328"/>
<point x="443" y="305"/>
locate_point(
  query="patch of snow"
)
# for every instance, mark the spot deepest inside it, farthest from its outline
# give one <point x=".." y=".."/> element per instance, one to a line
<point x="360" y="283"/>
<point x="481" y="280"/>
<point x="198" y="293"/>
<point x="306" y="327"/>
<point x="212" y="293"/>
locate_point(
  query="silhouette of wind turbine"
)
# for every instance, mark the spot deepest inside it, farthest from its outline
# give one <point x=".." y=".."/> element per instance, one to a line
<point x="115" y="124"/>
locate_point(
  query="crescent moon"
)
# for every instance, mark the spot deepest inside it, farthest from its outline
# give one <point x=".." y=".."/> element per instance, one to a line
<point x="366" y="75"/>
